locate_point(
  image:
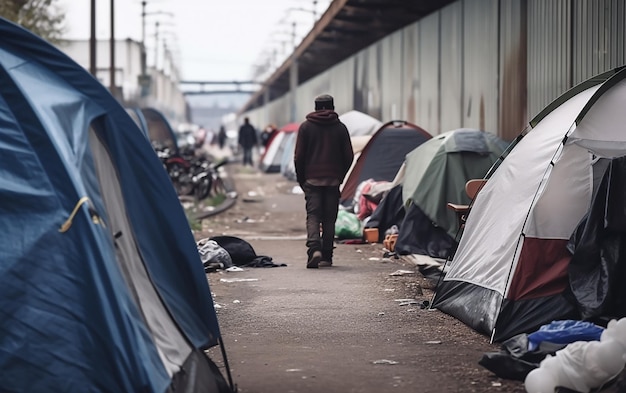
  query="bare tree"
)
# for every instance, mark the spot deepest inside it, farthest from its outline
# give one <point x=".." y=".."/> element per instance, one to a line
<point x="38" y="16"/>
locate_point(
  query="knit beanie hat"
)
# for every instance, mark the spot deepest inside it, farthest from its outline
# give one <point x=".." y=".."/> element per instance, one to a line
<point x="324" y="101"/>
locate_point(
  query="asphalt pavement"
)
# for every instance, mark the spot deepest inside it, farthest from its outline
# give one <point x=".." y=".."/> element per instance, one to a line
<point x="358" y="326"/>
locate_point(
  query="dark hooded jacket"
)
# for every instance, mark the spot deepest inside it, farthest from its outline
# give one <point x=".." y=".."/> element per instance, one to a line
<point x="323" y="147"/>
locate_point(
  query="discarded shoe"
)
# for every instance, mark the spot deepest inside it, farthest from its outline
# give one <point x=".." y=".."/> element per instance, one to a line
<point x="314" y="260"/>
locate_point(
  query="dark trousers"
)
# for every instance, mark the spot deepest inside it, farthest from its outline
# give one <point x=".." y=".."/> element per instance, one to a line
<point x="322" y="204"/>
<point x="247" y="156"/>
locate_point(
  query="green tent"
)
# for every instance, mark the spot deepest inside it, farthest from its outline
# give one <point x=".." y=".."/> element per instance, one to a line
<point x="435" y="172"/>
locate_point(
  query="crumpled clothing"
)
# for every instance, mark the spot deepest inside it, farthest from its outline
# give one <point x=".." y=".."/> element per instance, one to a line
<point x="213" y="255"/>
<point x="263" y="261"/>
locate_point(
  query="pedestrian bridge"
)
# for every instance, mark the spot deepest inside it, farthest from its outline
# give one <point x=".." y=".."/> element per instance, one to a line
<point x="198" y="87"/>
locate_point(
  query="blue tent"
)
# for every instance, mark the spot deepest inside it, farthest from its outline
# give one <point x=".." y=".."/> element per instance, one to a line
<point x="101" y="284"/>
<point x="155" y="127"/>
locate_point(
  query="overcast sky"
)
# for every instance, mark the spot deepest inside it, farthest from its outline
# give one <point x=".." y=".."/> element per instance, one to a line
<point x="214" y="39"/>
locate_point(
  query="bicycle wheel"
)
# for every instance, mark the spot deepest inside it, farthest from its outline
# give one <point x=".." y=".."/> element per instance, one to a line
<point x="219" y="188"/>
<point x="203" y="188"/>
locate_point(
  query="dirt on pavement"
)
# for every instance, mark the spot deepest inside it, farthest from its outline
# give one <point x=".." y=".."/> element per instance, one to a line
<point x="355" y="327"/>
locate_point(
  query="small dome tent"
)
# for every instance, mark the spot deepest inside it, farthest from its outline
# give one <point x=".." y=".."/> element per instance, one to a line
<point x="382" y="155"/>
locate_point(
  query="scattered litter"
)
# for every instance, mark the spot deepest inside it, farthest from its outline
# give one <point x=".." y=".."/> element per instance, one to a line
<point x="380" y="314"/>
<point x="359" y="250"/>
<point x="234" y="269"/>
<point x="236" y="301"/>
<point x="401" y="272"/>
<point x="232" y="194"/>
<point x="408" y="302"/>
<point x="389" y="289"/>
<point x="374" y="259"/>
<point x="238" y="279"/>
<point x="433" y="342"/>
<point x="215" y="305"/>
<point x="297" y="190"/>
<point x="293" y="370"/>
<point x="384" y="361"/>
<point x="246" y="219"/>
<point x="496" y="383"/>
<point x="253" y="196"/>
<point x="403" y="300"/>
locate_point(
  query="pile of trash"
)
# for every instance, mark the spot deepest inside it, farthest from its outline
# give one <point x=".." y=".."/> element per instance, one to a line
<point x="230" y="253"/>
<point x="574" y="355"/>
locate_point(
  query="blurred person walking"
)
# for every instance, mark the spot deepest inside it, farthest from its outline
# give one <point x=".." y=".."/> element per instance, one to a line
<point x="221" y="137"/>
<point x="267" y="135"/>
<point x="247" y="140"/>
<point x="322" y="158"/>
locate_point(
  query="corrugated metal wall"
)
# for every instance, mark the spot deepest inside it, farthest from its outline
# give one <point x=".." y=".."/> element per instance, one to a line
<point x="549" y="52"/>
<point x="392" y="64"/>
<point x="513" y="112"/>
<point x="599" y="37"/>
<point x="480" y="60"/>
<point x="451" y="67"/>
<point x="428" y="114"/>
<point x="374" y="80"/>
<point x="488" y="64"/>
<point x="410" y="73"/>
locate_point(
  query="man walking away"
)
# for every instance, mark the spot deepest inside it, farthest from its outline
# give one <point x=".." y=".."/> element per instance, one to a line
<point x="247" y="140"/>
<point x="322" y="158"/>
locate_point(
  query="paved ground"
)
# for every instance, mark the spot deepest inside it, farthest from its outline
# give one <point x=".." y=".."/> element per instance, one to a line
<point x="355" y="327"/>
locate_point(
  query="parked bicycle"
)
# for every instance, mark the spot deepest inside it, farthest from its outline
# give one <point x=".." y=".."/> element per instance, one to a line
<point x="191" y="173"/>
<point x="208" y="180"/>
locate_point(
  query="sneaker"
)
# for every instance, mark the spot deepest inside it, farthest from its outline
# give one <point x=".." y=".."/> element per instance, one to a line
<point x="325" y="264"/>
<point x="314" y="260"/>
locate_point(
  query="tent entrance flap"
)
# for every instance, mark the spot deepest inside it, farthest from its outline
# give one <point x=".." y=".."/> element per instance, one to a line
<point x="172" y="346"/>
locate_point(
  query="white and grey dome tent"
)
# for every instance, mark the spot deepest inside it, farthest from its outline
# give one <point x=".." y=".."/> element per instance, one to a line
<point x="510" y="271"/>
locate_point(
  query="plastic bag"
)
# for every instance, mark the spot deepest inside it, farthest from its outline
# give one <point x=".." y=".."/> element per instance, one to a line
<point x="565" y="332"/>
<point x="348" y="226"/>
<point x="515" y="360"/>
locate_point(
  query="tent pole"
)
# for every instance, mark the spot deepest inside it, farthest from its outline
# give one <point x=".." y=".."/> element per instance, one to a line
<point x="493" y="334"/>
<point x="228" y="374"/>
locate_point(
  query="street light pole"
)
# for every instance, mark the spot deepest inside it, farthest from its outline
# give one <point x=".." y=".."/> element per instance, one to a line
<point x="143" y="37"/>
<point x="156" y="45"/>
<point x="112" y="86"/>
<point x="144" y="78"/>
<point x="92" y="40"/>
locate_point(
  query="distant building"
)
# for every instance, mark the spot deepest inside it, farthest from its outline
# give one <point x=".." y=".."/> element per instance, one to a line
<point x="160" y="90"/>
<point x="210" y="110"/>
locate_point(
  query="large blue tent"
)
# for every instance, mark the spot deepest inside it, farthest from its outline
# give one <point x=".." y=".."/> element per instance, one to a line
<point x="101" y="285"/>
